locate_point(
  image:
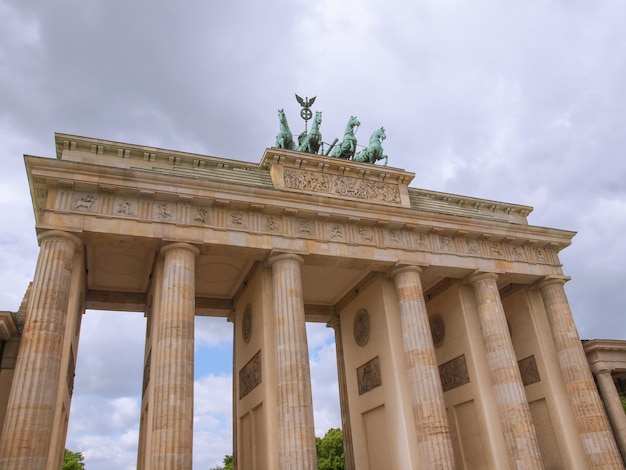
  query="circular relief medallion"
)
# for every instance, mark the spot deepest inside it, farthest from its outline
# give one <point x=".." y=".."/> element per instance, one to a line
<point x="362" y="327"/>
<point x="246" y="324"/>
<point x="437" y="329"/>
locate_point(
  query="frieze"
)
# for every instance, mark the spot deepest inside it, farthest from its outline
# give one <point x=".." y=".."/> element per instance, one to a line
<point x="85" y="203"/>
<point x="250" y="375"/>
<point x="529" y="371"/>
<point x="322" y="226"/>
<point x="454" y="373"/>
<point x="345" y="186"/>
<point x="368" y="376"/>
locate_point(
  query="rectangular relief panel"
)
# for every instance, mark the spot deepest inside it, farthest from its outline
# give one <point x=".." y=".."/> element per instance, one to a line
<point x="250" y="375"/>
<point x="454" y="373"/>
<point x="368" y="376"/>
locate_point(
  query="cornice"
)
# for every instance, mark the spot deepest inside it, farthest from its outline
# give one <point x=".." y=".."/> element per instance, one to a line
<point x="89" y="181"/>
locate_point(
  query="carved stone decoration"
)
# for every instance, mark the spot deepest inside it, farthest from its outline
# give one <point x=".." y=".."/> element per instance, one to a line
<point x="250" y="375"/>
<point x="540" y="255"/>
<point x="395" y="236"/>
<point x="304" y="227"/>
<point x="447" y="244"/>
<point x="422" y="241"/>
<point x="471" y="246"/>
<point x="335" y="232"/>
<point x="362" y="327"/>
<point x="201" y="215"/>
<point x="85" y="203"/>
<point x="71" y="367"/>
<point x="437" y="329"/>
<point x="366" y="235"/>
<point x="163" y="211"/>
<point x="341" y="185"/>
<point x="517" y="252"/>
<point x="496" y="249"/>
<point x="528" y="370"/>
<point x="146" y="373"/>
<point x="368" y="376"/>
<point x="237" y="219"/>
<point x="272" y="224"/>
<point x="125" y="208"/>
<point x="454" y="373"/>
<point x="246" y="324"/>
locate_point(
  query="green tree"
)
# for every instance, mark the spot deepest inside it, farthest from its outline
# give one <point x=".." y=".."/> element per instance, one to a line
<point x="73" y="460"/>
<point x="228" y="464"/>
<point x="623" y="403"/>
<point x="330" y="455"/>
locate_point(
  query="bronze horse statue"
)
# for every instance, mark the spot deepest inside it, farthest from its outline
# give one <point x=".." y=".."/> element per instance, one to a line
<point x="310" y="143"/>
<point x="346" y="149"/>
<point x="374" y="151"/>
<point x="284" y="139"/>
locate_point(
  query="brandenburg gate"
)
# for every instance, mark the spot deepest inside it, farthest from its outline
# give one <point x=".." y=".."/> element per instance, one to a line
<point x="456" y="346"/>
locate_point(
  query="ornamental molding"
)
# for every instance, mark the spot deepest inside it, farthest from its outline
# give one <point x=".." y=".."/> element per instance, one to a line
<point x="343" y="186"/>
<point x="321" y="227"/>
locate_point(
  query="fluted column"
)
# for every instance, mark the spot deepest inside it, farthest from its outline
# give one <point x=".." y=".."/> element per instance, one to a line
<point x="592" y="423"/>
<point x="429" y="411"/>
<point x="172" y="362"/>
<point x="346" y="426"/>
<point x="513" y="409"/>
<point x="613" y="404"/>
<point x="294" y="402"/>
<point x="25" y="443"/>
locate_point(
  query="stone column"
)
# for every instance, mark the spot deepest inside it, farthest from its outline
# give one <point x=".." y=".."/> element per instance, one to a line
<point x="172" y="361"/>
<point x="26" y="438"/>
<point x="592" y="424"/>
<point x="613" y="404"/>
<point x="429" y="411"/>
<point x="346" y="426"/>
<point x="294" y="402"/>
<point x="513" y="409"/>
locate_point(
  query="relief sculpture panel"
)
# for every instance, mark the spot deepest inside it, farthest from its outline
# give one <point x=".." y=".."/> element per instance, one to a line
<point x="250" y="375"/>
<point x="341" y="185"/>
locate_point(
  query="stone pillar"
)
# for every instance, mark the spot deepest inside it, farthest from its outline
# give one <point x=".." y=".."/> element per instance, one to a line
<point x="429" y="411"/>
<point x="513" y="409"/>
<point x="172" y="361"/>
<point x="614" y="407"/>
<point x="294" y="401"/>
<point x="592" y="424"/>
<point x="344" y="403"/>
<point x="26" y="438"/>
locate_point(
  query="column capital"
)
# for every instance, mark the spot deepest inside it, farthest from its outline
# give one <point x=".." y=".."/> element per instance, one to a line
<point x="275" y="257"/>
<point x="180" y="246"/>
<point x="334" y="322"/>
<point x="548" y="281"/>
<point x="60" y="234"/>
<point x="402" y="268"/>
<point x="479" y="276"/>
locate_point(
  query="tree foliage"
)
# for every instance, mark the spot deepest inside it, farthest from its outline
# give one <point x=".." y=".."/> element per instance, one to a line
<point x="228" y="464"/>
<point x="623" y="403"/>
<point x="73" y="460"/>
<point x="330" y="455"/>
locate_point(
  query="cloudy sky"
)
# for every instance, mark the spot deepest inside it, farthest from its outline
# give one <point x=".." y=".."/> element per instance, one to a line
<point x="514" y="101"/>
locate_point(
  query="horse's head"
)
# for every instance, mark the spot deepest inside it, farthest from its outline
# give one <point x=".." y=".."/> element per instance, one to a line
<point x="281" y="114"/>
<point x="380" y="134"/>
<point x="318" y="117"/>
<point x="354" y="122"/>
